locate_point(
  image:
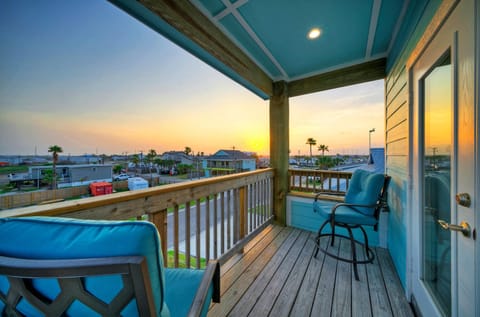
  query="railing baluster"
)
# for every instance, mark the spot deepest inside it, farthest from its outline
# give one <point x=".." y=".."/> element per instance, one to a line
<point x="264" y="200"/>
<point x="255" y="203"/>
<point x="187" y="234"/>
<point x="236" y="216"/>
<point x="207" y="228"/>
<point x="222" y="229"/>
<point x="215" y="226"/>
<point x="229" y="231"/>
<point x="243" y="212"/>
<point x="250" y="209"/>
<point x="159" y="219"/>
<point x="198" y="232"/>
<point x="175" y="235"/>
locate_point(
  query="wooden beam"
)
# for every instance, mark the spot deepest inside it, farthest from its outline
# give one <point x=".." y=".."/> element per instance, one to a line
<point x="188" y="20"/>
<point x="279" y="148"/>
<point x="339" y="78"/>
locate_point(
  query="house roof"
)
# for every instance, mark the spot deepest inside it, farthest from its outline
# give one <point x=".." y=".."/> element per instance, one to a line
<point x="229" y="155"/>
<point x="258" y="43"/>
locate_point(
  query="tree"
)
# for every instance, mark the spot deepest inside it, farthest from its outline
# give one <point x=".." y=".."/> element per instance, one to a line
<point x="117" y="169"/>
<point x="135" y="161"/>
<point x="323" y="148"/>
<point x="150" y="157"/>
<point x="311" y="142"/>
<point x="54" y="149"/>
<point x="188" y="150"/>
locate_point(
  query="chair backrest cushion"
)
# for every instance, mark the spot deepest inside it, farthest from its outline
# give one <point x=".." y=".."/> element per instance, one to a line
<point x="62" y="238"/>
<point x="364" y="189"/>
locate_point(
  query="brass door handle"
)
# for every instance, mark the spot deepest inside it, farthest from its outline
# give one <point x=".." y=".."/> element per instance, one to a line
<point x="464" y="227"/>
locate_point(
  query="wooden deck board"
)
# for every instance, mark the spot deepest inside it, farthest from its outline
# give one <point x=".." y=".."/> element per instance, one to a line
<point x="279" y="279"/>
<point x="378" y="293"/>
<point x="277" y="275"/>
<point x="360" y="296"/>
<point x="394" y="289"/>
<point x="326" y="285"/>
<point x="342" y="297"/>
<point x="256" y="289"/>
<point x="286" y="298"/>
<point x="306" y="293"/>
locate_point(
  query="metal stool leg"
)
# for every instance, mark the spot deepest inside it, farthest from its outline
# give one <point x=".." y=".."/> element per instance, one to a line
<point x="354" y="252"/>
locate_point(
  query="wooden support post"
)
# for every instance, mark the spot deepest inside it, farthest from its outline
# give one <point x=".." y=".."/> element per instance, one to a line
<point x="279" y="148"/>
<point x="243" y="212"/>
<point x="159" y="219"/>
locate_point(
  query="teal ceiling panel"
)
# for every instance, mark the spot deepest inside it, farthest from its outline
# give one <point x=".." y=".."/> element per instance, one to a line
<point x="248" y="44"/>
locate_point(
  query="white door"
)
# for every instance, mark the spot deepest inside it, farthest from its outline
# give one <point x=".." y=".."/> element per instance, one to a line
<point x="443" y="198"/>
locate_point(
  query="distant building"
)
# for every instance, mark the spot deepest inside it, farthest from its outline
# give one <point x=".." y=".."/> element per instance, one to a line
<point x="376" y="160"/>
<point x="74" y="175"/>
<point x="81" y="159"/>
<point x="178" y="157"/>
<point x="11" y="159"/>
<point x="228" y="162"/>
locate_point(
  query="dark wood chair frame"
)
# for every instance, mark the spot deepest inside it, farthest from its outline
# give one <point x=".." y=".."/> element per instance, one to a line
<point x="380" y="205"/>
<point x="70" y="275"/>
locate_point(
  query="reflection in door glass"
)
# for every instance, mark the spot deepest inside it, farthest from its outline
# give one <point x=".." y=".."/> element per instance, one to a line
<point x="437" y="155"/>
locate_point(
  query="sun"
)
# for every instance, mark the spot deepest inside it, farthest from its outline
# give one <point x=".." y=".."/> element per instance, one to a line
<point x="258" y="145"/>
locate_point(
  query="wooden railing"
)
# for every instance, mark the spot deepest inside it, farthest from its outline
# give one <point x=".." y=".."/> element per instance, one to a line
<point x="203" y="219"/>
<point x="331" y="182"/>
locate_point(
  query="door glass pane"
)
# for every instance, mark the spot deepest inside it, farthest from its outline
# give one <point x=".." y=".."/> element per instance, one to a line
<point x="437" y="157"/>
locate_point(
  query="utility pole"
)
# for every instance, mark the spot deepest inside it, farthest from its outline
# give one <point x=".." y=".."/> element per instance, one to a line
<point x="370" y="160"/>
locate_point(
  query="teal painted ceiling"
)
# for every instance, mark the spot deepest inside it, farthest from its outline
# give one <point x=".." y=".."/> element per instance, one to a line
<point x="273" y="33"/>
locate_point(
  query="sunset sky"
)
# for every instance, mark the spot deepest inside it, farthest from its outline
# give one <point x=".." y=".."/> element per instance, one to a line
<point x="86" y="76"/>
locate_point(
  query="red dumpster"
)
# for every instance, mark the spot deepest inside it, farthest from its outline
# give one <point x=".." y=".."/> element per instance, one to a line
<point x="101" y="188"/>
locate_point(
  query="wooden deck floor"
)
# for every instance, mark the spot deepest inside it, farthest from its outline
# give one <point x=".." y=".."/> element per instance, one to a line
<point x="277" y="275"/>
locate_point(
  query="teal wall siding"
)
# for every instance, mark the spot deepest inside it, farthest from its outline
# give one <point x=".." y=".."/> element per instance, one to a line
<point x="397" y="127"/>
<point x="302" y="217"/>
<point x="415" y="22"/>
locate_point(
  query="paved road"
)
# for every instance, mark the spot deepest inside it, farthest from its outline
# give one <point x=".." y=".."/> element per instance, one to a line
<point x="193" y="224"/>
<point x="228" y="213"/>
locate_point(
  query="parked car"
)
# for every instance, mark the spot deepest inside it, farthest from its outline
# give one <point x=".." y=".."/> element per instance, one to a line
<point x="121" y="177"/>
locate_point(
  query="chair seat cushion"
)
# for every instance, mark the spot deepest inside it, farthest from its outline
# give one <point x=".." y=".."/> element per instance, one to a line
<point x="181" y="287"/>
<point x="62" y="238"/>
<point x="345" y="214"/>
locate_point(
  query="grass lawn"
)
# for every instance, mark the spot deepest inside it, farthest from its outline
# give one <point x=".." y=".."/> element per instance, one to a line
<point x="181" y="260"/>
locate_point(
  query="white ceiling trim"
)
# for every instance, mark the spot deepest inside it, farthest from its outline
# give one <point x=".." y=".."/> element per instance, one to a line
<point x="377" y="4"/>
<point x="229" y="9"/>
<point x="205" y="12"/>
<point x="397" y="26"/>
<point x="254" y="36"/>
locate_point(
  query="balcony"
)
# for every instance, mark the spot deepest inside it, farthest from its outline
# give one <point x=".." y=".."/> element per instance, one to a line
<point x="266" y="268"/>
<point x="277" y="275"/>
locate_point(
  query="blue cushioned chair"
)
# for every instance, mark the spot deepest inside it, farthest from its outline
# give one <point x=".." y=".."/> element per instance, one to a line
<point x="66" y="267"/>
<point x="365" y="198"/>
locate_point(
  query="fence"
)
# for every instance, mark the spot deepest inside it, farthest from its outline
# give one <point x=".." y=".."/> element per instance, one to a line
<point x="204" y="219"/>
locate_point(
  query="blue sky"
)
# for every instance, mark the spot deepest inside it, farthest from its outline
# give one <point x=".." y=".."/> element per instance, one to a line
<point x="88" y="77"/>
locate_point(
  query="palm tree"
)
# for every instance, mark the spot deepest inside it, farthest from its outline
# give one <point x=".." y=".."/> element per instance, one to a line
<point x="323" y="148"/>
<point x="150" y="157"/>
<point x="311" y="142"/>
<point x="55" y="149"/>
<point x="188" y="150"/>
<point x="135" y="161"/>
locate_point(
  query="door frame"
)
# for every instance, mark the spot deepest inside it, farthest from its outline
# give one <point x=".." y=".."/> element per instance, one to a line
<point x="413" y="247"/>
<point x="426" y="63"/>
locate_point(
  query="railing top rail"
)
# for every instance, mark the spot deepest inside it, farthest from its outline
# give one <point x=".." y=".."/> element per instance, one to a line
<point x="313" y="171"/>
<point x="209" y="186"/>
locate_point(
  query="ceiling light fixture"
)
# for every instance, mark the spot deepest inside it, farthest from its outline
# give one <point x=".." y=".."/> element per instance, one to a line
<point x="314" y="33"/>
